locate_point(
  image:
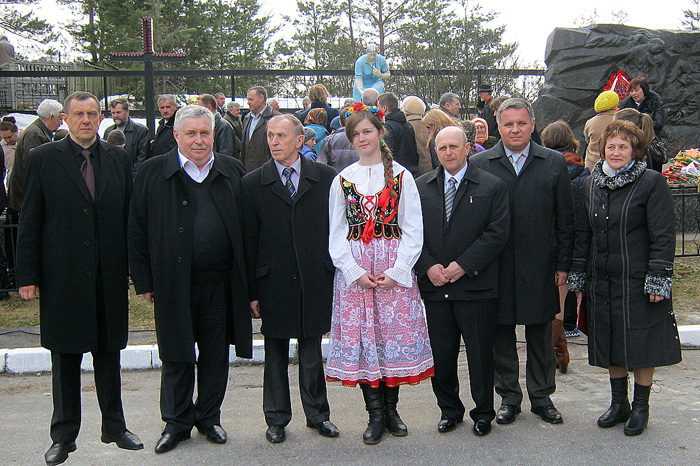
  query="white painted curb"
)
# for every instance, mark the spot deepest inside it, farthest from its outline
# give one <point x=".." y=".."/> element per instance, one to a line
<point x="32" y="360"/>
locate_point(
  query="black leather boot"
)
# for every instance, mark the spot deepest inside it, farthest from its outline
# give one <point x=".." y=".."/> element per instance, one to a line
<point x="375" y="407"/>
<point x="619" y="410"/>
<point x="392" y="420"/>
<point x="639" y="417"/>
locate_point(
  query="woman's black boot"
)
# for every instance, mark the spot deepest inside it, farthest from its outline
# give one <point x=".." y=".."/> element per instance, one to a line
<point x="392" y="420"/>
<point x="374" y="404"/>
<point x="640" y="410"/>
<point x="619" y="410"/>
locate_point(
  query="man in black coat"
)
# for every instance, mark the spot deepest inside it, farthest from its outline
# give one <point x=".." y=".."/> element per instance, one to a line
<point x="399" y="137"/>
<point x="536" y="259"/>
<point x="465" y="227"/>
<point x="484" y="93"/>
<point x="233" y="116"/>
<point x="136" y="134"/>
<point x="186" y="254"/>
<point x="290" y="273"/>
<point x="164" y="141"/>
<point x="72" y="244"/>
<point x="224" y="136"/>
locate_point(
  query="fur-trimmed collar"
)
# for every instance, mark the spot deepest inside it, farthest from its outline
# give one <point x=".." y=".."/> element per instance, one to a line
<point x="613" y="182"/>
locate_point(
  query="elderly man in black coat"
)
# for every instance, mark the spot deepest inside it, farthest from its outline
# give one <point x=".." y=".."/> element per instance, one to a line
<point x="536" y="259"/>
<point x="186" y="254"/>
<point x="72" y="244"/>
<point x="290" y="273"/>
<point x="466" y="223"/>
<point x="164" y="141"/>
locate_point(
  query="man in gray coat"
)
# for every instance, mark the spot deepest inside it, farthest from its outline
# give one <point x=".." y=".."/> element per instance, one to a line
<point x="536" y="259"/>
<point x="136" y="134"/>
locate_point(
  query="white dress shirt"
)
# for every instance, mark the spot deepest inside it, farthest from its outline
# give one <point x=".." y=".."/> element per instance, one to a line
<point x="369" y="180"/>
<point x="191" y="169"/>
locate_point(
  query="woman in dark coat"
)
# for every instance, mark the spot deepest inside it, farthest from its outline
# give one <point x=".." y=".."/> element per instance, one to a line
<point x="558" y="136"/>
<point x="623" y="259"/>
<point x="644" y="100"/>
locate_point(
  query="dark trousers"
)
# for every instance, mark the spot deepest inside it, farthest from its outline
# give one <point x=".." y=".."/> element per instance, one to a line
<point x="475" y="323"/>
<point x="277" y="404"/>
<point x="65" y="377"/>
<point x="539" y="367"/>
<point x="179" y="412"/>
<point x="570" y="312"/>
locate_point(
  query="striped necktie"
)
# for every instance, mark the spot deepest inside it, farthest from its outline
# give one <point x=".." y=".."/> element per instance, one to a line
<point x="287" y="172"/>
<point x="450" y="197"/>
<point x="515" y="158"/>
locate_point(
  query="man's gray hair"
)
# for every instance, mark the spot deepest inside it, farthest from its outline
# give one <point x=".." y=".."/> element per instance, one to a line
<point x="515" y="103"/>
<point x="232" y="104"/>
<point x="48" y="108"/>
<point x="168" y="97"/>
<point x="370" y="96"/>
<point x="192" y="111"/>
<point x="447" y="98"/>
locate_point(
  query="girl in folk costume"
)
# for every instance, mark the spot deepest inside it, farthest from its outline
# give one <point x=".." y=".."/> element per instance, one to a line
<point x="379" y="336"/>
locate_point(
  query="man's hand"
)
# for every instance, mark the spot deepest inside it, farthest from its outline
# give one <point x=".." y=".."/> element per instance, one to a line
<point x="29" y="292"/>
<point x="148" y="297"/>
<point x="654" y="298"/>
<point x="255" y="309"/>
<point x="436" y="275"/>
<point x="453" y="272"/>
<point x="560" y="277"/>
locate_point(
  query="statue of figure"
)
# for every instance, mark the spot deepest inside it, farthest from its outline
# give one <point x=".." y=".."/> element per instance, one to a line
<point x="370" y="71"/>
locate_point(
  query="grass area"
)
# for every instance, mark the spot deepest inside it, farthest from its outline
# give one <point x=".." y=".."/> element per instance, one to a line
<point x="16" y="312"/>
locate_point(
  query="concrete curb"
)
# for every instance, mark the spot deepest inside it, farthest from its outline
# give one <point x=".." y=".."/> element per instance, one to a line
<point x="33" y="360"/>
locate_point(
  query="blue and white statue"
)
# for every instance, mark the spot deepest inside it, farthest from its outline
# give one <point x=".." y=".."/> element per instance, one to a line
<point x="370" y="71"/>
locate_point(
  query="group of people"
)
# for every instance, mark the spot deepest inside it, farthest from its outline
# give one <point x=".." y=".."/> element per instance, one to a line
<point x="398" y="259"/>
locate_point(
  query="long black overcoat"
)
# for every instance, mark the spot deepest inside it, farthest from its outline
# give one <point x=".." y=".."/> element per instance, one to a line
<point x="627" y="240"/>
<point x="289" y="268"/>
<point x="475" y="235"/>
<point x="161" y="227"/>
<point x="541" y="236"/>
<point x="57" y="246"/>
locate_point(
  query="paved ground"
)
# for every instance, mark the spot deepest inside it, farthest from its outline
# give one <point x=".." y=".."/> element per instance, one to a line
<point x="582" y="395"/>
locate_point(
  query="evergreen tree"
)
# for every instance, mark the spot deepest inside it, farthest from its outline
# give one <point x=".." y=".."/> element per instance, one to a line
<point x="24" y="24"/>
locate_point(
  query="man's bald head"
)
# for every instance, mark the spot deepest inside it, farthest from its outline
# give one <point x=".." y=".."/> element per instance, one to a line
<point x="452" y="147"/>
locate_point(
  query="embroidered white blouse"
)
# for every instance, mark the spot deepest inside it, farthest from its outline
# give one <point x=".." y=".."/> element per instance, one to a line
<point x="369" y="180"/>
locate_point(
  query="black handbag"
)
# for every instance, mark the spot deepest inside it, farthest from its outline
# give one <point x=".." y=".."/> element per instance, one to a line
<point x="657" y="151"/>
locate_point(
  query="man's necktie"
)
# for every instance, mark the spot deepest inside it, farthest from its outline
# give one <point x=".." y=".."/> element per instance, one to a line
<point x="515" y="158"/>
<point x="287" y="172"/>
<point x="450" y="197"/>
<point x="88" y="172"/>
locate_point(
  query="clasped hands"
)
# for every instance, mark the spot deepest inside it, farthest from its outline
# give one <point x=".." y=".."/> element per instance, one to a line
<point x="440" y="275"/>
<point x="382" y="281"/>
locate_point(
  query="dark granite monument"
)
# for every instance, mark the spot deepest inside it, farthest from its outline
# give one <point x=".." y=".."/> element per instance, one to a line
<point x="580" y="61"/>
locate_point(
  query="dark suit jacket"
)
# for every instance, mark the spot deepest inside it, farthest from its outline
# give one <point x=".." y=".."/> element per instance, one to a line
<point x="474" y="237"/>
<point x="136" y="142"/>
<point x="237" y="126"/>
<point x="255" y="151"/>
<point x="161" y="224"/>
<point x="33" y="136"/>
<point x="59" y="248"/>
<point x="289" y="268"/>
<point x="224" y="136"/>
<point x="541" y="236"/>
<point x="164" y="141"/>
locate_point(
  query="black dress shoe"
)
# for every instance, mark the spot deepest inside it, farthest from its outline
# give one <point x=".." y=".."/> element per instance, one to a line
<point x="275" y="434"/>
<point x="58" y="453"/>
<point x="481" y="428"/>
<point x="548" y="413"/>
<point x="325" y="428"/>
<point x="215" y="434"/>
<point x="126" y="440"/>
<point x="506" y="413"/>
<point x="169" y="441"/>
<point x="448" y="424"/>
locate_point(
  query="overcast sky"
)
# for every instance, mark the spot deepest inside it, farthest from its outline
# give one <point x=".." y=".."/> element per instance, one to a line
<point x="528" y="23"/>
